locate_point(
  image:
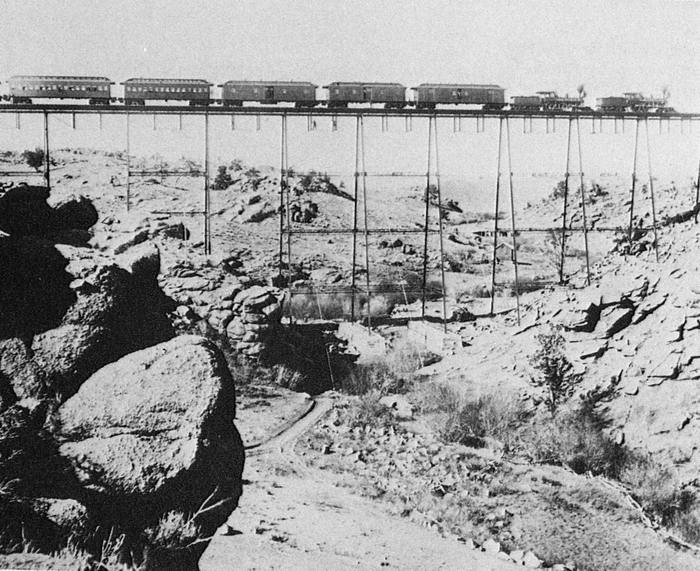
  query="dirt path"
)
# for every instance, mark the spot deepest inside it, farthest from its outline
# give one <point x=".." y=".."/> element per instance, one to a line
<point x="293" y="517"/>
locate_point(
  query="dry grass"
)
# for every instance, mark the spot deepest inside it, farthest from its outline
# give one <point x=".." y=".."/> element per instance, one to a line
<point x="390" y="374"/>
<point x="572" y="437"/>
<point x="458" y="419"/>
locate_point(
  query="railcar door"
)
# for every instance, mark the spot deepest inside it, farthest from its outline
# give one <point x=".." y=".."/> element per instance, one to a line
<point x="269" y="93"/>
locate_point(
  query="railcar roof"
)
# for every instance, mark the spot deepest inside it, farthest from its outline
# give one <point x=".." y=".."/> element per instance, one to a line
<point x="169" y="81"/>
<point x="461" y="85"/>
<point x="376" y="83"/>
<point x="251" y="82"/>
<point x="58" y="78"/>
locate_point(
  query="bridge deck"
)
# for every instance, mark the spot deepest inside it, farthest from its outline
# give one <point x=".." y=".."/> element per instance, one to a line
<point x="320" y="111"/>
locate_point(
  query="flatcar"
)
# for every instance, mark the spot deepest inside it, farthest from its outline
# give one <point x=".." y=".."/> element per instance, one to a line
<point x="340" y="93"/>
<point x="138" y="90"/>
<point x="25" y="88"/>
<point x="546" y="101"/>
<point x="301" y="93"/>
<point x="489" y="96"/>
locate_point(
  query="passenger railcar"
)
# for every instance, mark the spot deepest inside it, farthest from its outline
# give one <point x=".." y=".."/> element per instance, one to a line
<point x="138" y="90"/>
<point x="24" y="88"/>
<point x="340" y="93"/>
<point x="489" y="96"/>
<point x="301" y="93"/>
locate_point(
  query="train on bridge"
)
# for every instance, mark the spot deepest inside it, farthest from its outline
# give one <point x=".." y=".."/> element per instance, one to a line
<point x="28" y="89"/>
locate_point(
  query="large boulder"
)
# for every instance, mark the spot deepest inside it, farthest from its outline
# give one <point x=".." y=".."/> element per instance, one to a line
<point x="154" y="432"/>
<point x="34" y="289"/>
<point x="24" y="211"/>
<point x="76" y="212"/>
<point x="101" y="312"/>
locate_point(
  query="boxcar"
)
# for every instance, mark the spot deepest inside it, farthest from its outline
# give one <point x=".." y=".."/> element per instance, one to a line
<point x="489" y="96"/>
<point x="138" y="90"/>
<point x="301" y="93"/>
<point x="24" y="88"/>
<point x="340" y="93"/>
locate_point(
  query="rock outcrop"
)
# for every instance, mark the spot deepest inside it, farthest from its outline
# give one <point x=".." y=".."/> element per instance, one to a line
<point x="257" y="313"/>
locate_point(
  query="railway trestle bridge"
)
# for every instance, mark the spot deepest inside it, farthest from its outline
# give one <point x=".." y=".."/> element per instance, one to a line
<point x="574" y="182"/>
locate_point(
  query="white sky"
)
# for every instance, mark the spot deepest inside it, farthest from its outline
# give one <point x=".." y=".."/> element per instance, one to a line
<point x="610" y="46"/>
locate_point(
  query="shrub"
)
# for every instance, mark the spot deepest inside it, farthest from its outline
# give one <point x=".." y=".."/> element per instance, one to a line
<point x="654" y="486"/>
<point x="367" y="411"/>
<point x="470" y="421"/>
<point x="35" y="158"/>
<point x="222" y="180"/>
<point x="390" y="373"/>
<point x="554" y="368"/>
<point x="572" y="438"/>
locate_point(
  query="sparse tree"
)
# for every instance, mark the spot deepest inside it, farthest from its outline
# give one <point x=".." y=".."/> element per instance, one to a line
<point x="553" y="367"/>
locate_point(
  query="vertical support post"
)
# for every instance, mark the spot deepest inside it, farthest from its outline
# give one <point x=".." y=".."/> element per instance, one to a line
<point x="207" y="195"/>
<point x="155" y="124"/>
<point x="634" y="177"/>
<point x="283" y="184"/>
<point x="427" y="219"/>
<point x="583" y="202"/>
<point x="128" y="161"/>
<point x="179" y="122"/>
<point x="99" y="118"/>
<point x="354" y="219"/>
<point x="257" y="122"/>
<point x="233" y="122"/>
<point x="697" y="193"/>
<point x="73" y="120"/>
<point x="440" y="232"/>
<point x="651" y="190"/>
<point x="47" y="152"/>
<point x="288" y="216"/>
<point x="512" y="221"/>
<point x="18" y="124"/>
<point x="408" y="123"/>
<point x="566" y="201"/>
<point x="495" y="218"/>
<point x="366" y="229"/>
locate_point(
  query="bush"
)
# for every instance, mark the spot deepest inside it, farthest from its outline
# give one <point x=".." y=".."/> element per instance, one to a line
<point x="554" y="368"/>
<point x="222" y="180"/>
<point x="35" y="158"/>
<point x="367" y="411"/>
<point x="572" y="438"/>
<point x="389" y="374"/>
<point x="655" y="487"/>
<point x="468" y="422"/>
